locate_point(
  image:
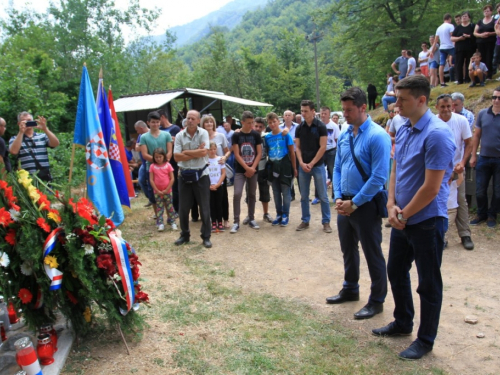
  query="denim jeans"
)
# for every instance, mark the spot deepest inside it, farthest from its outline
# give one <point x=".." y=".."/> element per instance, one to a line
<point x="330" y="162"/>
<point x="145" y="185"/>
<point x="319" y="175"/>
<point x="487" y="168"/>
<point x="423" y="243"/>
<point x="386" y="100"/>
<point x="282" y="197"/>
<point x="365" y="226"/>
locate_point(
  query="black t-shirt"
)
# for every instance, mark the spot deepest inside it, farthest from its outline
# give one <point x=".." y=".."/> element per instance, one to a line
<point x="309" y="140"/>
<point x="4" y="153"/>
<point x="468" y="44"/>
<point x="247" y="143"/>
<point x="486" y="28"/>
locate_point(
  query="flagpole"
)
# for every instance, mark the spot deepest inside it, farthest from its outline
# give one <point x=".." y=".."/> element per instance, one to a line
<point x="71" y="162"/>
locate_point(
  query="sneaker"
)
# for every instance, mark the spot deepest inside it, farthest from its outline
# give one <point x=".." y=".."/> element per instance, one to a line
<point x="302" y="226"/>
<point x="492" y="222"/>
<point x="315" y="201"/>
<point x="268" y="218"/>
<point x="327" y="228"/>
<point x="234" y="228"/>
<point x="284" y="221"/>
<point x="246" y="221"/>
<point x="253" y="224"/>
<point x="277" y="221"/>
<point x="444" y="85"/>
<point x="174" y="226"/>
<point x="214" y="227"/>
<point x="161" y="228"/>
<point x="481" y="84"/>
<point x="221" y="227"/>
<point x="473" y="84"/>
<point x="477" y="220"/>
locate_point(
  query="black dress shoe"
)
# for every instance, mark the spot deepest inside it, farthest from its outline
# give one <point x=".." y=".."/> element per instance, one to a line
<point x="369" y="311"/>
<point x="207" y="244"/>
<point x="343" y="296"/>
<point x="416" y="350"/>
<point x="181" y="241"/>
<point x="391" y="329"/>
<point x="467" y="243"/>
<point x="149" y="204"/>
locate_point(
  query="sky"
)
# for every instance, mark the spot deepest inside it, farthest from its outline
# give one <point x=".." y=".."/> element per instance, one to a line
<point x="174" y="12"/>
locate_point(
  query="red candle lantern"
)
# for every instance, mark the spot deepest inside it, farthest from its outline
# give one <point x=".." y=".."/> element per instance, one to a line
<point x="45" y="349"/>
<point x="49" y="329"/>
<point x="26" y="356"/>
<point x="12" y="313"/>
<point x="2" y="332"/>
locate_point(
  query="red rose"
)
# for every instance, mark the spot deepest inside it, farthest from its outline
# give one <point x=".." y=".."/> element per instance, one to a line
<point x="135" y="273"/>
<point x="141" y="297"/>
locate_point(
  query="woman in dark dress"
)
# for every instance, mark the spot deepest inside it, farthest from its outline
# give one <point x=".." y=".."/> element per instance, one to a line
<point x="372" y="96"/>
<point x="486" y="38"/>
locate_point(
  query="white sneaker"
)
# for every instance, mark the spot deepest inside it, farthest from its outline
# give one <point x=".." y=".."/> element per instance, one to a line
<point x="253" y="224"/>
<point x="234" y="228"/>
<point x="161" y="228"/>
<point x="174" y="226"/>
<point x="246" y="221"/>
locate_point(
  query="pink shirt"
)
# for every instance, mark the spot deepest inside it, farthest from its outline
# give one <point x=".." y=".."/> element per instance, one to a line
<point x="161" y="175"/>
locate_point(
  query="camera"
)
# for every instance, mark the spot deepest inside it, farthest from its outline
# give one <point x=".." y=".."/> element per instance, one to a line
<point x="31" y="123"/>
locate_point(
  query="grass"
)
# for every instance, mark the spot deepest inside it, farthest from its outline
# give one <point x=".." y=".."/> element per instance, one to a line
<point x="201" y="322"/>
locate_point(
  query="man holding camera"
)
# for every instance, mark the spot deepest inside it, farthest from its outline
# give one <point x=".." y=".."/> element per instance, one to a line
<point x="31" y="147"/>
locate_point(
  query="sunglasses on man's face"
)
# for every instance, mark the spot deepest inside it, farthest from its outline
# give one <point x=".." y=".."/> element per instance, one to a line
<point x="495" y="97"/>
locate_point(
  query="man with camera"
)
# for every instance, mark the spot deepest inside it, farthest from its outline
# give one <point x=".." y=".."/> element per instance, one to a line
<point x="31" y="147"/>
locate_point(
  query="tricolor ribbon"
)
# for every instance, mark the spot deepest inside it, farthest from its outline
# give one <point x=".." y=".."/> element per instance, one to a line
<point x="54" y="274"/>
<point x="39" y="299"/>
<point x="121" y="256"/>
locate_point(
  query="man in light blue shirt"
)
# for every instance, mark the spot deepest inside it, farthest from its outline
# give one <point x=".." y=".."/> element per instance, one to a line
<point x="354" y="191"/>
<point x="417" y="207"/>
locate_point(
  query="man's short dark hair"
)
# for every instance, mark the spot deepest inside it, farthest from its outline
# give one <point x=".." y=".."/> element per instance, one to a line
<point x="445" y="97"/>
<point x="246" y="115"/>
<point x="409" y="52"/>
<point x="272" y="116"/>
<point x="466" y="12"/>
<point x="446" y="17"/>
<point x="497" y="89"/>
<point x="356" y="94"/>
<point x="260" y="120"/>
<point x="308" y="103"/>
<point x="326" y="109"/>
<point x="418" y="86"/>
<point x="162" y="112"/>
<point x="458" y="15"/>
<point x="153" y="116"/>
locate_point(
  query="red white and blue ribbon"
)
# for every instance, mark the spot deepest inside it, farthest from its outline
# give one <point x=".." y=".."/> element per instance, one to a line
<point x="54" y="274"/>
<point x="121" y="256"/>
<point x="39" y="299"/>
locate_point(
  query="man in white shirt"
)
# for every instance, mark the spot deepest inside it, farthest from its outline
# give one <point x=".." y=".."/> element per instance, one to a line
<point x="446" y="46"/>
<point x="463" y="140"/>
<point x="423" y="60"/>
<point x="412" y="63"/>
<point x="331" y="140"/>
<point x="289" y="124"/>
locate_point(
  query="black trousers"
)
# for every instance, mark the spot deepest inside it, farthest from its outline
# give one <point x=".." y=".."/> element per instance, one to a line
<point x="462" y="58"/>
<point x="216" y="204"/>
<point x="200" y="191"/>
<point x="371" y="102"/>
<point x="487" y="50"/>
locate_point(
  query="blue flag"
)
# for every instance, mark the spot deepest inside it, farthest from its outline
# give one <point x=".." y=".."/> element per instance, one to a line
<point x="108" y="131"/>
<point x="101" y="185"/>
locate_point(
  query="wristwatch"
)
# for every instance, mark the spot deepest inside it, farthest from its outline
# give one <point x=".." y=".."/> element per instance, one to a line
<point x="354" y="207"/>
<point x="401" y="218"/>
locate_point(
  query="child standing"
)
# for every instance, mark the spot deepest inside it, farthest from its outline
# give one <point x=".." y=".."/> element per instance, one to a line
<point x="217" y="174"/>
<point x="162" y="178"/>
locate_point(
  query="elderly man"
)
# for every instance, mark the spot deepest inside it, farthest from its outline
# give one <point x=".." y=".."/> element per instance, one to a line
<point x="487" y="133"/>
<point x="191" y="153"/>
<point x="458" y="107"/>
<point x="4" y="152"/>
<point x="32" y="147"/>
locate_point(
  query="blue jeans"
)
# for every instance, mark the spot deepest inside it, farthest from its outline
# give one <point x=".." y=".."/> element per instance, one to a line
<point x="330" y="162"/>
<point x="365" y="226"/>
<point x="319" y="175"/>
<point x="386" y="100"/>
<point x="485" y="169"/>
<point x="145" y="185"/>
<point x="443" y="55"/>
<point x="422" y="243"/>
<point x="282" y="197"/>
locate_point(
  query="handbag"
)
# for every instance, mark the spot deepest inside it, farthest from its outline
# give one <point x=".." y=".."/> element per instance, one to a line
<point x="381" y="197"/>
<point x="192" y="175"/>
<point x="43" y="172"/>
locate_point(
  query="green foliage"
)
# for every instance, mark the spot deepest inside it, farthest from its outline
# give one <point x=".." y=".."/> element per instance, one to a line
<point x="60" y="160"/>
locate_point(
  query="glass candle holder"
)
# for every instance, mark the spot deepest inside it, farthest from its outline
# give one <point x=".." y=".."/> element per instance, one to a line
<point x="45" y="349"/>
<point x="26" y="356"/>
<point x="13" y="318"/>
<point x="49" y="329"/>
<point x="2" y="332"/>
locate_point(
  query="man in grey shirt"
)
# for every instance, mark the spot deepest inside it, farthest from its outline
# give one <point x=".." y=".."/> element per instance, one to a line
<point x="402" y="63"/>
<point x="190" y="153"/>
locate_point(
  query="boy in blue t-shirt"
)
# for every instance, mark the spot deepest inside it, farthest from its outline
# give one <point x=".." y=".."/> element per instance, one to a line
<point x="280" y="152"/>
<point x="477" y="70"/>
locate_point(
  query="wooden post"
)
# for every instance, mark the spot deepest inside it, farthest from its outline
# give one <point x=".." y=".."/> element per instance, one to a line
<point x="71" y="162"/>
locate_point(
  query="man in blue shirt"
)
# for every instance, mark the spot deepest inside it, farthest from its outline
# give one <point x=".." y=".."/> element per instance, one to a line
<point x="417" y="207"/>
<point x="358" y="218"/>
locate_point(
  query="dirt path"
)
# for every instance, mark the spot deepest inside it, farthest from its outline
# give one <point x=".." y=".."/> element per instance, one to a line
<point x="308" y="265"/>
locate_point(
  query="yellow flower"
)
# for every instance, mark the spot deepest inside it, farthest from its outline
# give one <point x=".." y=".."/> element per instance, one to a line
<point x="87" y="314"/>
<point x="22" y="173"/>
<point x="33" y="193"/>
<point x="53" y="216"/>
<point x="51" y="261"/>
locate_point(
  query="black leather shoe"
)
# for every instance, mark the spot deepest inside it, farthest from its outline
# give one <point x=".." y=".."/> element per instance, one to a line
<point x="391" y="329"/>
<point x="343" y="296"/>
<point x="369" y="311"/>
<point x="207" y="244"/>
<point x="416" y="350"/>
<point x="181" y="241"/>
<point x="467" y="243"/>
